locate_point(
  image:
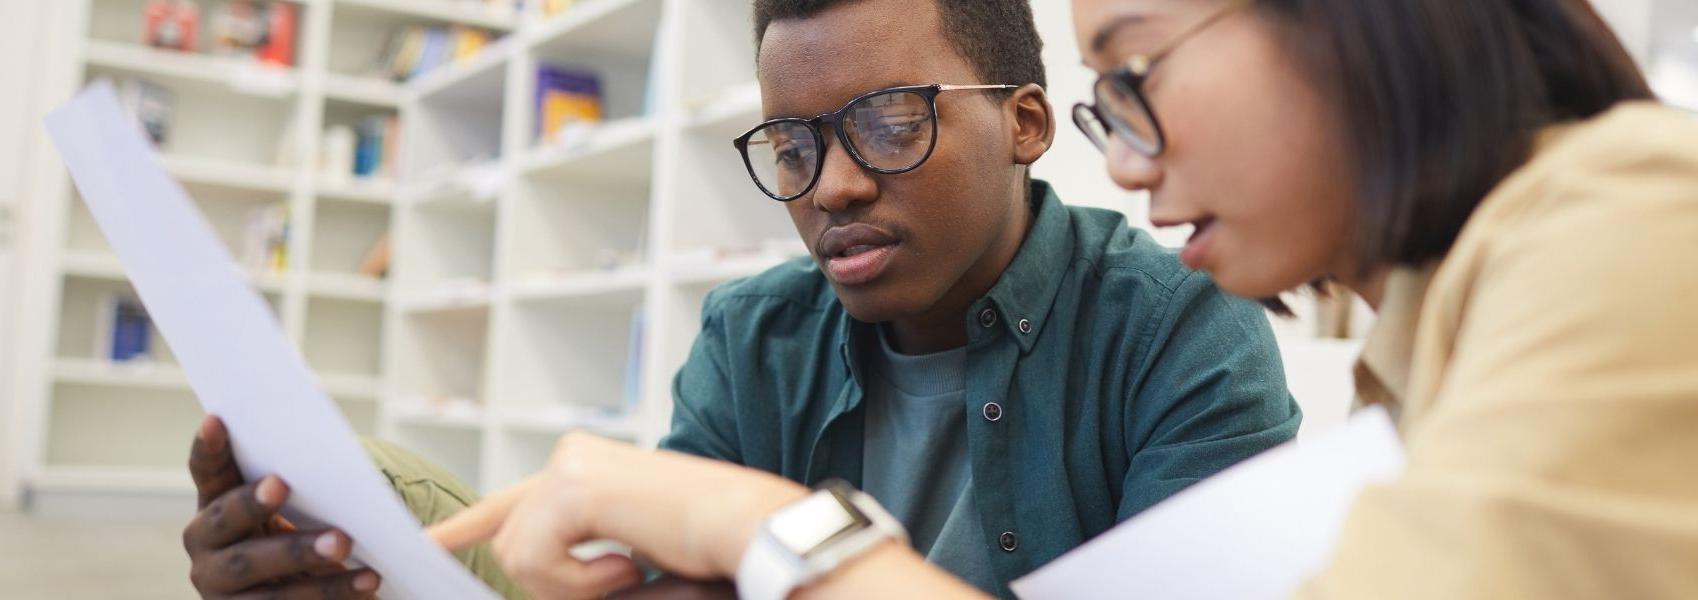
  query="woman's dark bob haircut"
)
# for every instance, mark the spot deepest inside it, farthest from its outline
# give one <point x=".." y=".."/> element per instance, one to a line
<point x="1443" y="99"/>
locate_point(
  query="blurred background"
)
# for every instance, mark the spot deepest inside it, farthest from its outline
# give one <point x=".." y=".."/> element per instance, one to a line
<point x="485" y="223"/>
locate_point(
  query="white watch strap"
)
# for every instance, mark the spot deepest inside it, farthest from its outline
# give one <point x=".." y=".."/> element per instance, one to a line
<point x="768" y="571"/>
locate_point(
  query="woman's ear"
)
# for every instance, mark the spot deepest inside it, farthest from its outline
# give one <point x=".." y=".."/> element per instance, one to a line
<point x="1034" y="123"/>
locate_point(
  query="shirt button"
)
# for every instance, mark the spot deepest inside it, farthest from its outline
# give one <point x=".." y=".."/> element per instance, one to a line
<point x="987" y="318"/>
<point x="1025" y="326"/>
<point x="1008" y="541"/>
<point x="993" y="412"/>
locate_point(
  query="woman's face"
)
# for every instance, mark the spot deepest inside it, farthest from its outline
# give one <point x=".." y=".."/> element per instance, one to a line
<point x="1256" y="154"/>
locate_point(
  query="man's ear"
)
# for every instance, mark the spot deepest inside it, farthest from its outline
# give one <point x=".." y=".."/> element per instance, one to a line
<point x="1034" y="123"/>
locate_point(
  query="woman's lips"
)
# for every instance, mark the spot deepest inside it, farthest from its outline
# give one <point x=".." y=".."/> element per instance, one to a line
<point x="1196" y="252"/>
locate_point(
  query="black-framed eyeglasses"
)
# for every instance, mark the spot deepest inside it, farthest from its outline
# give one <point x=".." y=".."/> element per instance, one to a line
<point x="889" y="132"/>
<point x="1122" y="109"/>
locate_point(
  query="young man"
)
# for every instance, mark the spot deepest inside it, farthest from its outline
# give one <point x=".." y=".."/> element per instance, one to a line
<point x="1007" y="375"/>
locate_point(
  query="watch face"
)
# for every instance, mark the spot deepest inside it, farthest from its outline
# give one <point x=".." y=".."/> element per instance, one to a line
<point x="807" y="525"/>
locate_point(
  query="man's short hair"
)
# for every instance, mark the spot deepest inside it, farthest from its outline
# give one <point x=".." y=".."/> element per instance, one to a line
<point x="998" y="37"/>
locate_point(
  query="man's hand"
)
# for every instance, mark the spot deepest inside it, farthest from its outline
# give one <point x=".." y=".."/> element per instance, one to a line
<point x="240" y="547"/>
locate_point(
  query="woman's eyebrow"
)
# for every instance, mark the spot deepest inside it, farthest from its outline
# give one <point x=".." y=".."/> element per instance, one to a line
<point x="1106" y="33"/>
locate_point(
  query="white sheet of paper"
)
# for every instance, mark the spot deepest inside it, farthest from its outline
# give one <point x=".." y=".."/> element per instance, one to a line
<point x="1256" y="531"/>
<point x="236" y="357"/>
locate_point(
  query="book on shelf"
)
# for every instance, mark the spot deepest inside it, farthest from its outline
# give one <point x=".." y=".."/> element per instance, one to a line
<point x="368" y="150"/>
<point x="266" y="247"/>
<point x="282" y="20"/>
<point x="336" y="154"/>
<point x="376" y="261"/>
<point x="153" y="105"/>
<point x="392" y="148"/>
<point x="566" y="98"/>
<point x="434" y="53"/>
<point x="265" y="31"/>
<point x="375" y="147"/>
<point x="171" y="24"/>
<point x="415" y="50"/>
<point x="238" y="28"/>
<point x="550" y="8"/>
<point x="123" y="331"/>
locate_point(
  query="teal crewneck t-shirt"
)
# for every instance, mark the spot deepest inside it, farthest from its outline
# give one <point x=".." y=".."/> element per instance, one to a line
<point x="916" y="462"/>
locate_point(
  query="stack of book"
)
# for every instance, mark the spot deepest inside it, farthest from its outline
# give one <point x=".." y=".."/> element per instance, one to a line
<point x="263" y="30"/>
<point x="152" y="105"/>
<point x="414" y="51"/>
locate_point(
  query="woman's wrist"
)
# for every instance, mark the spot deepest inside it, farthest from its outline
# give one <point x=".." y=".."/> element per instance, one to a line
<point x="747" y="510"/>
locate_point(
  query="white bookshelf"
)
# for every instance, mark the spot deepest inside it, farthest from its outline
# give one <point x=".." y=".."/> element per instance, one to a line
<point x="244" y="137"/>
<point x="467" y="12"/>
<point x="184" y="70"/>
<point x="524" y="268"/>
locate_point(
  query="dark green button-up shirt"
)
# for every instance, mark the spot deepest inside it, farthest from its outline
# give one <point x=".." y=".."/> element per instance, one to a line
<point x="1102" y="378"/>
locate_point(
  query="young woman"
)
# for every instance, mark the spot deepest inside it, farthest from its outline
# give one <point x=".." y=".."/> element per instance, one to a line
<point x="1491" y="175"/>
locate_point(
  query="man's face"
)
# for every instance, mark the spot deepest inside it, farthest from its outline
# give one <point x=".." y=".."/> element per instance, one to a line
<point x="894" y="246"/>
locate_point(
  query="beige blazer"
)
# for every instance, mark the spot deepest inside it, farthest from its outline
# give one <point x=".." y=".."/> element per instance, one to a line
<point x="1545" y="374"/>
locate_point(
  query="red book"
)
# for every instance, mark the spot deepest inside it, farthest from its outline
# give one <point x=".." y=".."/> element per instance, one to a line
<point x="279" y="48"/>
<point x="173" y="24"/>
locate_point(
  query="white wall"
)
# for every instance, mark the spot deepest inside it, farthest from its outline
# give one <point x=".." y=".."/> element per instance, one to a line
<point x="1074" y="166"/>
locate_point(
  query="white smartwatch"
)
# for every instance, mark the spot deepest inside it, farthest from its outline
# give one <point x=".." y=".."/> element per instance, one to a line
<point x="811" y="537"/>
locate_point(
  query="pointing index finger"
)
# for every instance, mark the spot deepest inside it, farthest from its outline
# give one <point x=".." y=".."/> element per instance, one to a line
<point x="481" y="521"/>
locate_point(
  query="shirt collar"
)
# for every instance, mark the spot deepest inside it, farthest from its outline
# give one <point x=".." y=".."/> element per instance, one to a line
<point x="1021" y="299"/>
<point x="1382" y="372"/>
<point x="1019" y="304"/>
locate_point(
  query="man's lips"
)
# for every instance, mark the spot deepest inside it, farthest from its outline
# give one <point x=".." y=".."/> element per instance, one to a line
<point x="856" y="254"/>
<point x="850" y="240"/>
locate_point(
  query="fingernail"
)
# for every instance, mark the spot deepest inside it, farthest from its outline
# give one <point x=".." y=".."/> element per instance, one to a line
<point x="271" y="491"/>
<point x="328" y="545"/>
<point x="205" y="433"/>
<point x="365" y="582"/>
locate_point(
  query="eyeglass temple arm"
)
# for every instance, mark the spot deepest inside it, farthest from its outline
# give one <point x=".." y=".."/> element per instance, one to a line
<point x="1140" y="63"/>
<point x="951" y="88"/>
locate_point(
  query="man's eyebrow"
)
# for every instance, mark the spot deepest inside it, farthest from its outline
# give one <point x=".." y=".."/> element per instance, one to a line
<point x="890" y="84"/>
<point x="1104" y="35"/>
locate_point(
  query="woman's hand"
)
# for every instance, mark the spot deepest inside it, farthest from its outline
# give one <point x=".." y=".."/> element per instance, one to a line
<point x="691" y="516"/>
